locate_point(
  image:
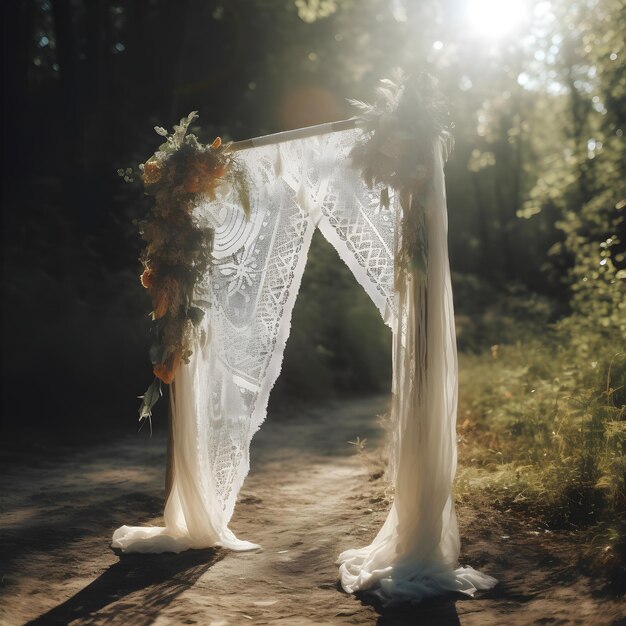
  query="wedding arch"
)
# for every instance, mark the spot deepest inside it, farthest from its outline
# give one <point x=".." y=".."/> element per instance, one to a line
<point x="374" y="187"/>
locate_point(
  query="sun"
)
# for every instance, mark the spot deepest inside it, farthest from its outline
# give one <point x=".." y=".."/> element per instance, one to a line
<point x="496" y="18"/>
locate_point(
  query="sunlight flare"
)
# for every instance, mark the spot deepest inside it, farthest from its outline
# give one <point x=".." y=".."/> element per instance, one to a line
<point x="494" y="18"/>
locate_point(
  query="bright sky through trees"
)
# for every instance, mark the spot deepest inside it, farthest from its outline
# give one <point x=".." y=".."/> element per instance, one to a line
<point x="496" y="18"/>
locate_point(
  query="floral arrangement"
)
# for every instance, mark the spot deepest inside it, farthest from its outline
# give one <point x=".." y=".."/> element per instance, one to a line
<point x="178" y="250"/>
<point x="397" y="149"/>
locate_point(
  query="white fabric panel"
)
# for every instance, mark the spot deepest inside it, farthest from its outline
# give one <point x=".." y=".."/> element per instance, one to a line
<point x="415" y="554"/>
<point x="354" y="223"/>
<point x="220" y="399"/>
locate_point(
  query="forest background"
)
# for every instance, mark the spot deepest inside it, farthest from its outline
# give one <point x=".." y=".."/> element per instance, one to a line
<point x="536" y="193"/>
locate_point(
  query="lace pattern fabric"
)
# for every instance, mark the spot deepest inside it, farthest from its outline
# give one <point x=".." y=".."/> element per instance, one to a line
<point x="222" y="395"/>
<point x="219" y="399"/>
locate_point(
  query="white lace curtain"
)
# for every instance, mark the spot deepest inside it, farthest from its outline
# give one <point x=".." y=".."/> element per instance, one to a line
<point x="219" y="399"/>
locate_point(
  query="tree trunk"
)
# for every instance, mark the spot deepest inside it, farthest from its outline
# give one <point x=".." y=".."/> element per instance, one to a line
<point x="17" y="29"/>
<point x="483" y="226"/>
<point x="72" y="122"/>
<point x="97" y="142"/>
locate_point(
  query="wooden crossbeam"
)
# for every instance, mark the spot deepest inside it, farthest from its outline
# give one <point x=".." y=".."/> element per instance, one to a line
<point x="297" y="133"/>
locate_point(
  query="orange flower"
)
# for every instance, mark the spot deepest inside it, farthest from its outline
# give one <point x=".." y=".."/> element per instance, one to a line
<point x="203" y="174"/>
<point x="148" y="278"/>
<point x="167" y="371"/>
<point x="151" y="173"/>
<point x="167" y="297"/>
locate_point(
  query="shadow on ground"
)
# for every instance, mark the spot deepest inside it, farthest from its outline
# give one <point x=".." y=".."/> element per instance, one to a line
<point x="159" y="578"/>
<point x="441" y="611"/>
<point x="57" y="525"/>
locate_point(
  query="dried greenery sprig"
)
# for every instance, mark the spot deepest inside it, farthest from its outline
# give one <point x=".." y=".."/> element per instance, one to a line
<point x="409" y="114"/>
<point x="178" y="250"/>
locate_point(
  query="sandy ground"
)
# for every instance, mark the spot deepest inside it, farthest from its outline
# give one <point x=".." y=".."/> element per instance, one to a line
<point x="309" y="496"/>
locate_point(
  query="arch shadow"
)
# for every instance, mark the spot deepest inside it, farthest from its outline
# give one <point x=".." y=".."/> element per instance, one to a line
<point x="159" y="578"/>
<point x="440" y="610"/>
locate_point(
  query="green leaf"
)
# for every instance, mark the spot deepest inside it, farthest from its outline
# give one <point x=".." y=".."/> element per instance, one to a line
<point x="419" y="262"/>
<point x="149" y="399"/>
<point x="195" y="314"/>
<point x="384" y="198"/>
<point x="241" y="188"/>
<point x="157" y="353"/>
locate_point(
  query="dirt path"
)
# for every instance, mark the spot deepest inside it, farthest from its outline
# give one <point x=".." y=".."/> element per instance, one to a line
<point x="309" y="497"/>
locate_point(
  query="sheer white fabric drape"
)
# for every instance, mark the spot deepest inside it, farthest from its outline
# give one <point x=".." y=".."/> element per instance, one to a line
<point x="219" y="399"/>
<point x="415" y="554"/>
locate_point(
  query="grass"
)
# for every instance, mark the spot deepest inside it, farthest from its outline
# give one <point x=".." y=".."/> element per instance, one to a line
<point x="542" y="431"/>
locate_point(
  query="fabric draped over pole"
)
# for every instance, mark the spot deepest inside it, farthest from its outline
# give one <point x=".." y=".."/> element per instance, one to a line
<point x="219" y="399"/>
